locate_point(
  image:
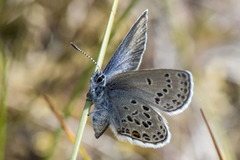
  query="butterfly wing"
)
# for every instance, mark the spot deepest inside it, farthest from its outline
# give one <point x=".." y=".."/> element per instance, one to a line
<point x="166" y="90"/>
<point x="129" y="53"/>
<point x="100" y="120"/>
<point x="135" y="99"/>
<point x="136" y="122"/>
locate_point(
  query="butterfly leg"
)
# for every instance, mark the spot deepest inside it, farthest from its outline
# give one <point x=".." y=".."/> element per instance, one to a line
<point x="96" y="110"/>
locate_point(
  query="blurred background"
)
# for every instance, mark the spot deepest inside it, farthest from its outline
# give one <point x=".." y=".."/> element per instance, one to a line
<point x="200" y="36"/>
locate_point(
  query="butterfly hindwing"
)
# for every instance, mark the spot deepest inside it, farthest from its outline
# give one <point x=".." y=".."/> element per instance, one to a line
<point x="100" y="120"/>
<point x="137" y="122"/>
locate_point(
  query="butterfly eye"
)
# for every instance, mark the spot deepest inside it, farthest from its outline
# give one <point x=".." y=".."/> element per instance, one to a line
<point x="100" y="79"/>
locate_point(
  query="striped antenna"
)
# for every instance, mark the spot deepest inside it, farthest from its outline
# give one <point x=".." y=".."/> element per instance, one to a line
<point x="74" y="46"/>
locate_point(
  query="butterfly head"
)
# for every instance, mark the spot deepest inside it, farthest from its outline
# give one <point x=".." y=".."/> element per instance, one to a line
<point x="97" y="84"/>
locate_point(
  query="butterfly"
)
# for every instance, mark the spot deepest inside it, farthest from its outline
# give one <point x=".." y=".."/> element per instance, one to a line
<point x="130" y="100"/>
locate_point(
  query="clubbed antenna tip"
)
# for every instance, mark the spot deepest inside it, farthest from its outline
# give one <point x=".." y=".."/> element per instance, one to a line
<point x="74" y="46"/>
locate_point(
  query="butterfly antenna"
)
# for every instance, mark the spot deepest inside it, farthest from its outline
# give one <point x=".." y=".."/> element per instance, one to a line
<point x="74" y="46"/>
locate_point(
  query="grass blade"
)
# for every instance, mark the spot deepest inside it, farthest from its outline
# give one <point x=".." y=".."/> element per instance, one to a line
<point x="212" y="136"/>
<point x="3" y="107"/>
<point x="100" y="62"/>
<point x="67" y="130"/>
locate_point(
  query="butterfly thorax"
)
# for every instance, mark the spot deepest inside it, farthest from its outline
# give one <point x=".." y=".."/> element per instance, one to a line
<point x="97" y="85"/>
<point x="100" y="115"/>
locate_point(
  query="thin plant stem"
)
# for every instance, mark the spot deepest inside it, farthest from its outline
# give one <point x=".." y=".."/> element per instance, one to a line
<point x="88" y="103"/>
<point x="3" y="106"/>
<point x="122" y="18"/>
<point x="212" y="136"/>
<point x="107" y="34"/>
<point x="67" y="130"/>
<point x="68" y="108"/>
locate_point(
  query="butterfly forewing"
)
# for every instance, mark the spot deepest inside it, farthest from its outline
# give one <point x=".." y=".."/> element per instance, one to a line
<point x="137" y="122"/>
<point x="129" y="53"/>
<point x="166" y="90"/>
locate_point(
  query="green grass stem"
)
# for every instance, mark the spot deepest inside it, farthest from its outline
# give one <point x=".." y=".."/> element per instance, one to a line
<point x="3" y="106"/>
<point x="88" y="104"/>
